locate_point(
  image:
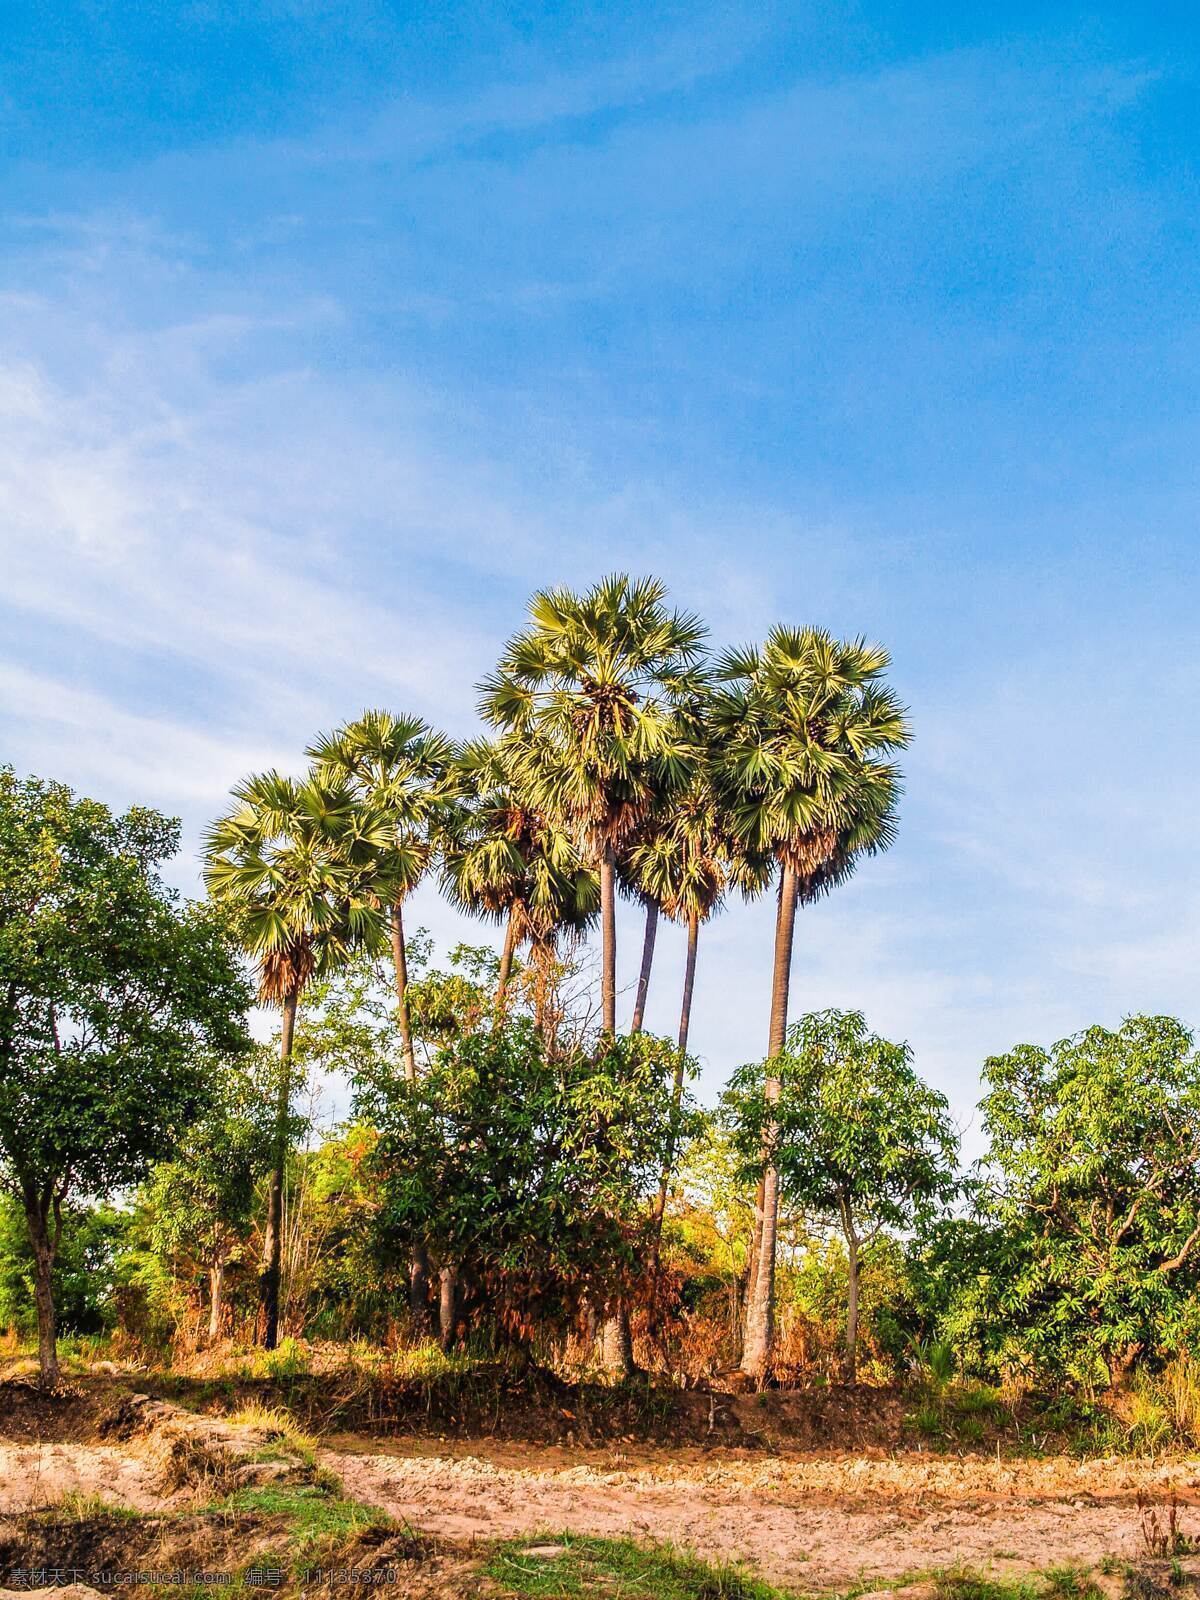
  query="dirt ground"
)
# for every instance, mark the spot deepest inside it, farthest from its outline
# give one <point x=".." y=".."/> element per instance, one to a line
<point x="806" y="1520"/>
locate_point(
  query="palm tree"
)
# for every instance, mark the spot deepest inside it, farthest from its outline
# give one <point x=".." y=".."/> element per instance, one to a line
<point x="503" y="859"/>
<point x="402" y="769"/>
<point x="803" y="729"/>
<point x="588" y="693"/>
<point x="293" y="861"/>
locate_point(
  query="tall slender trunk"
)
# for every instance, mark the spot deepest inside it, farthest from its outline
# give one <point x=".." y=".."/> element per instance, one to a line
<point x="616" y="1344"/>
<point x="418" y="1267"/>
<point x="760" y="1317"/>
<point x="216" y="1295"/>
<point x="447" y="1304"/>
<point x="44" y="1239"/>
<point x="750" y="1276"/>
<point x="506" y="961"/>
<point x="850" y="1365"/>
<point x="273" y="1240"/>
<point x="685" y="1023"/>
<point x="643" y="986"/>
<point x="608" y="937"/>
<point x="400" y="962"/>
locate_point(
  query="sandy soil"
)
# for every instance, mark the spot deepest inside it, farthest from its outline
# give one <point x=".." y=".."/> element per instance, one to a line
<point x="807" y="1523"/>
<point x="806" y="1520"/>
<point x="37" y="1475"/>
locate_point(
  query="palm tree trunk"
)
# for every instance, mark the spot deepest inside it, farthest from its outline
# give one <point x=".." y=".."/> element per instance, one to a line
<point x="273" y="1239"/>
<point x="752" y="1254"/>
<point x="643" y="987"/>
<point x="685" y="1022"/>
<point x="418" y="1268"/>
<point x="608" y="935"/>
<point x="506" y="961"/>
<point x="756" y="1352"/>
<point x="400" y="962"/>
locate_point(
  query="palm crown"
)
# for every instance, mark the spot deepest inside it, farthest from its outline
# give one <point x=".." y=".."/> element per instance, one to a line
<point x="403" y="769"/>
<point x="803" y="729"/>
<point x="597" y="678"/>
<point x="503" y="858"/>
<point x="688" y="862"/>
<point x="293" y="861"/>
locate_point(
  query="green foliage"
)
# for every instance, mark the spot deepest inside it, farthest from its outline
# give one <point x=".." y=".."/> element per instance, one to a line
<point x="528" y="1169"/>
<point x="1085" y="1256"/>
<point x="198" y="1207"/>
<point x="316" y="1515"/>
<point x="579" y="1564"/>
<point x="592" y="688"/>
<point x="803" y="730"/>
<point x="87" y="1268"/>
<point x="114" y="999"/>
<point x="115" y="1005"/>
<point x="861" y="1141"/>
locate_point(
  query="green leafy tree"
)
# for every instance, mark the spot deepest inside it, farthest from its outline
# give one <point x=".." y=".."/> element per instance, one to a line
<point x="295" y="865"/>
<point x="113" y="1001"/>
<point x="85" y="1268"/>
<point x="201" y="1204"/>
<point x="803" y="730"/>
<point x="1093" y="1176"/>
<point x="529" y="1172"/>
<point x="858" y="1139"/>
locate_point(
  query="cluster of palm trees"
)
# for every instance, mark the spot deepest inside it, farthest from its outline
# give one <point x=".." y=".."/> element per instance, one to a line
<point x="624" y="758"/>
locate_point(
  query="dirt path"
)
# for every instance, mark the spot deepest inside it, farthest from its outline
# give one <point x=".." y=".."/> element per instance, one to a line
<point x="808" y="1524"/>
<point x="37" y="1475"/>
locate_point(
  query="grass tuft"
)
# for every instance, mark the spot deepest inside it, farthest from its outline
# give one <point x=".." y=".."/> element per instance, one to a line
<point x="282" y="1430"/>
<point x="584" y="1565"/>
<point x="316" y="1514"/>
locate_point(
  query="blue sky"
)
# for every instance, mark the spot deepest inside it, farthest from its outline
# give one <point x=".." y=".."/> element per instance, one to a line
<point x="327" y="332"/>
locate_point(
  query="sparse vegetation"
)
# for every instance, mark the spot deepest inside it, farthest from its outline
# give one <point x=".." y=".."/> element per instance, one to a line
<point x="561" y="1566"/>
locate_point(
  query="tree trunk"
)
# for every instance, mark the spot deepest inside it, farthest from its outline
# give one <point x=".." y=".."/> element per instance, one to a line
<point x="216" y="1296"/>
<point x="616" y="1345"/>
<point x="643" y="987"/>
<point x="44" y="1241"/>
<point x="418" y="1267"/>
<point x="608" y="935"/>
<point x="685" y="1023"/>
<point x="750" y="1277"/>
<point x="850" y="1366"/>
<point x="506" y="962"/>
<point x="756" y="1352"/>
<point x="273" y="1238"/>
<point x="400" y="962"/>
<point x="447" y="1304"/>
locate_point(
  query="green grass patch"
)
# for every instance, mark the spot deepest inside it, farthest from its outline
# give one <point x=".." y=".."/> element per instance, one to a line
<point x="577" y="1564"/>
<point x="315" y="1512"/>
